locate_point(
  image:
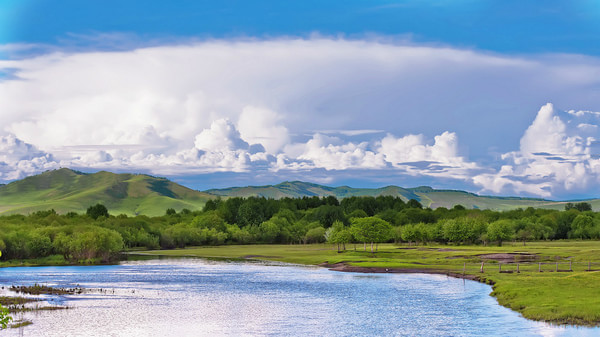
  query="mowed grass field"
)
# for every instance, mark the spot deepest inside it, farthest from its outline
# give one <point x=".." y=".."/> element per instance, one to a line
<point x="570" y="295"/>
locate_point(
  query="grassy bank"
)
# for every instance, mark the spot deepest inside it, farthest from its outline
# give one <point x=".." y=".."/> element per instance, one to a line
<point x="52" y="260"/>
<point x="570" y="295"/>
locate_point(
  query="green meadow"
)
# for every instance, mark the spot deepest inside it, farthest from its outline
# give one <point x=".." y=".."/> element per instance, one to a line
<point x="562" y="297"/>
<point x="65" y="190"/>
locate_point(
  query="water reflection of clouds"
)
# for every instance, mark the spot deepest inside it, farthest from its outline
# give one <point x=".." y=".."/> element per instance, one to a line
<point x="194" y="297"/>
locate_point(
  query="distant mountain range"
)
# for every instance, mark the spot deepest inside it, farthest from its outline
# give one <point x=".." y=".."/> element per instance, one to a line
<point x="67" y="190"/>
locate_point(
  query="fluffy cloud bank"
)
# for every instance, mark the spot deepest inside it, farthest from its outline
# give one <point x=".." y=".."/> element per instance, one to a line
<point x="246" y="106"/>
<point x="558" y="153"/>
<point x="19" y="159"/>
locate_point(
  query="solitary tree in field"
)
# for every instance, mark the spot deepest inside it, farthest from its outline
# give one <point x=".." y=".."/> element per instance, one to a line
<point x="371" y="229"/>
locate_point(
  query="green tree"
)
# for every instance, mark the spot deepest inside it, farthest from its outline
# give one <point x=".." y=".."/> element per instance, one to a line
<point x="328" y="214"/>
<point x="524" y="235"/>
<point x="409" y="234"/>
<point x="315" y="235"/>
<point x="581" y="227"/>
<point x="501" y="230"/>
<point x="251" y="212"/>
<point x="343" y="237"/>
<point x="371" y="229"/>
<point x="211" y="205"/>
<point x="413" y="203"/>
<point x="97" y="211"/>
<point x="39" y="245"/>
<point x="413" y="216"/>
<point x="358" y="213"/>
<point x="454" y="230"/>
<point x="95" y="242"/>
<point x="563" y="223"/>
<point x="269" y="231"/>
<point x="239" y="235"/>
<point x="580" y="206"/>
<point x="338" y="234"/>
<point x="210" y="219"/>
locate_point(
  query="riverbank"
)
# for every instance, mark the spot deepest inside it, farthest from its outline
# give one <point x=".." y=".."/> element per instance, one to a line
<point x="344" y="267"/>
<point x="557" y="294"/>
<point x="52" y="260"/>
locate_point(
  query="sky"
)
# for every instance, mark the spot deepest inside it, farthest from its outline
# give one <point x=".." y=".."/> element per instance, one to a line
<point x="492" y="97"/>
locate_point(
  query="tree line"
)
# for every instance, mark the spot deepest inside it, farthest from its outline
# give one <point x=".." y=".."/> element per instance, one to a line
<point x="98" y="236"/>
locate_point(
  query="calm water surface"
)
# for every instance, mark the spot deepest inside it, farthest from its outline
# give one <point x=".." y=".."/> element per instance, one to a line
<point x="195" y="297"/>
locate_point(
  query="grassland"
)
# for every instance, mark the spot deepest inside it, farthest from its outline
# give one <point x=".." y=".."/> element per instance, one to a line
<point x="563" y="296"/>
<point x="66" y="190"/>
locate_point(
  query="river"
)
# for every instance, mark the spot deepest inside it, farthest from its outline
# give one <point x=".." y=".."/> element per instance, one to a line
<point x="196" y="297"/>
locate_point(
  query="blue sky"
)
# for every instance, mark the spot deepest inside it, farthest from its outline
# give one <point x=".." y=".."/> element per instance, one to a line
<point x="514" y="26"/>
<point x="503" y="26"/>
<point x="494" y="97"/>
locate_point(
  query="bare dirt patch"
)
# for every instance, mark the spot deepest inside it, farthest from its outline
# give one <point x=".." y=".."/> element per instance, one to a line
<point x="457" y="257"/>
<point x="509" y="257"/>
<point x="260" y="256"/>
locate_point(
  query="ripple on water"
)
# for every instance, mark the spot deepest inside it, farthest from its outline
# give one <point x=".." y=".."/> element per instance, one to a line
<point x="191" y="297"/>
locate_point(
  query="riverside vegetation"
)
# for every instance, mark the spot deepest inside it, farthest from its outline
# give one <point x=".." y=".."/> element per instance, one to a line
<point x="19" y="304"/>
<point x="448" y="239"/>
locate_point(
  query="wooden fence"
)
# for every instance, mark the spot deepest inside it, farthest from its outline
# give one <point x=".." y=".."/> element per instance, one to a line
<point x="530" y="267"/>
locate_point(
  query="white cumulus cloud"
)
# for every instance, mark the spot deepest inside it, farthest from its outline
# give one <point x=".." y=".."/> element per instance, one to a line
<point x="19" y="159"/>
<point x="331" y="153"/>
<point x="556" y="155"/>
<point x="222" y="136"/>
<point x="261" y="126"/>
<point x="239" y="106"/>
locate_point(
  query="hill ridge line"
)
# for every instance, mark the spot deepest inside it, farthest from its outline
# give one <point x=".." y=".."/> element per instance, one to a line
<point x="68" y="190"/>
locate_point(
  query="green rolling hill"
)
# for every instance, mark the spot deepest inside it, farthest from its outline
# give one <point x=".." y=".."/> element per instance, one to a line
<point x="66" y="190"/>
<point x="428" y="196"/>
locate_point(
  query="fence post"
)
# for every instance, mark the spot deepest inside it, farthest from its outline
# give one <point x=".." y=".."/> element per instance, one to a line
<point x="539" y="267"/>
<point x="570" y="265"/>
<point x="481" y="271"/>
<point x="518" y="268"/>
<point x="556" y="266"/>
<point x="499" y="266"/>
